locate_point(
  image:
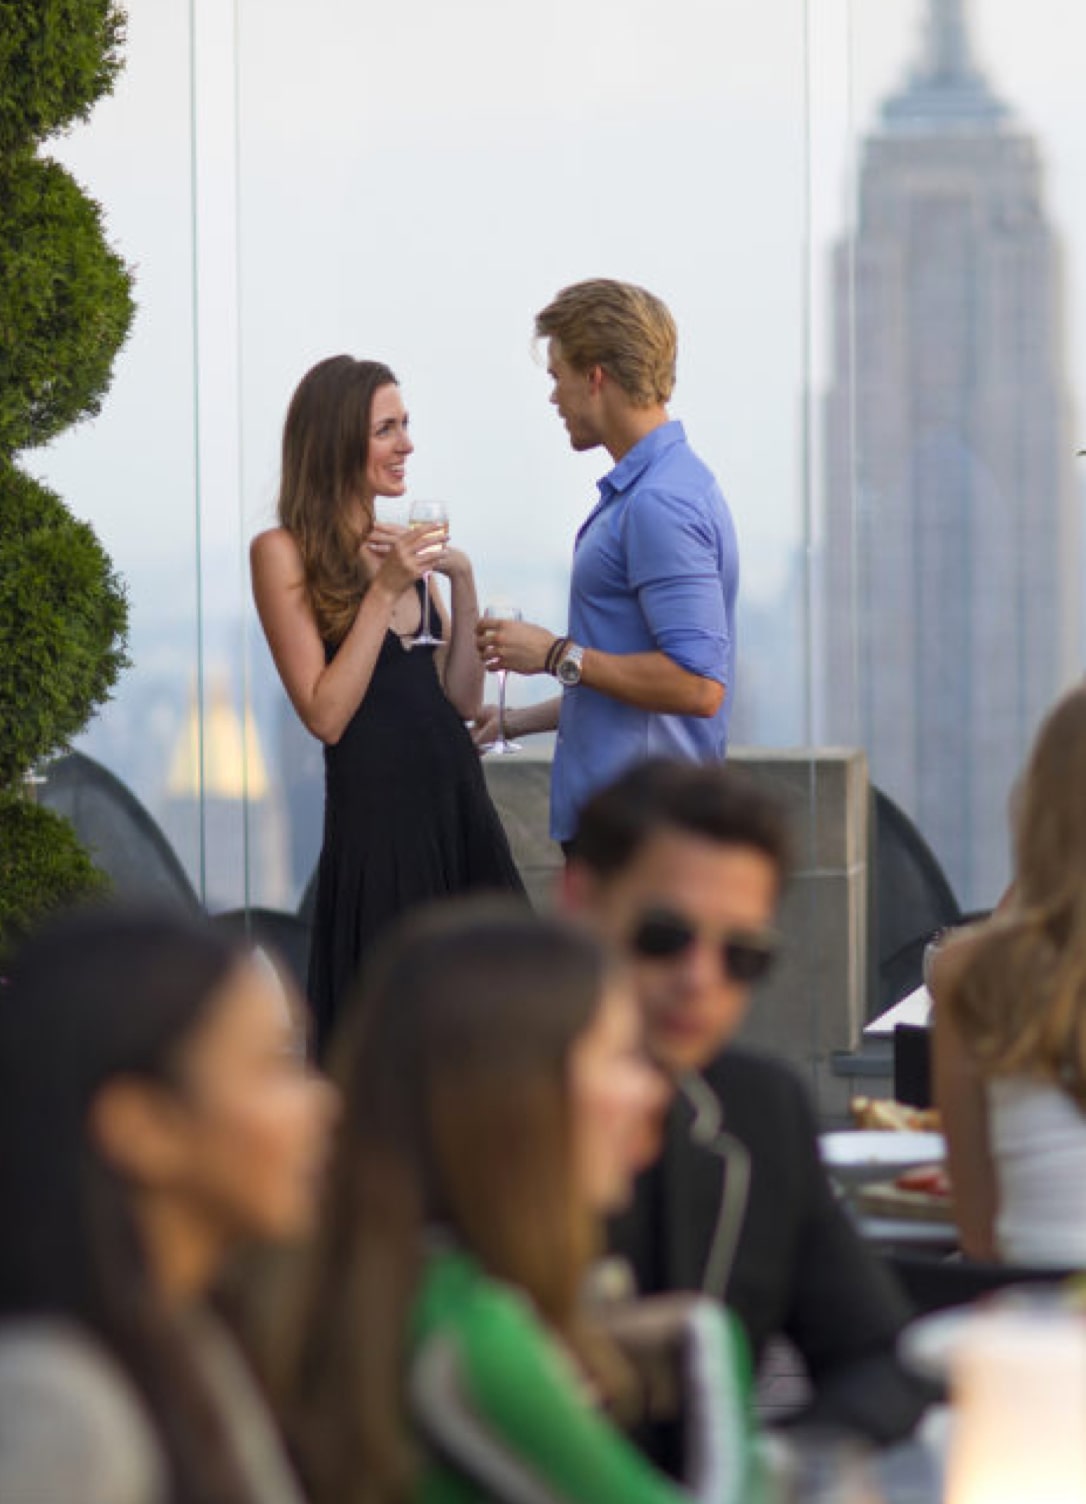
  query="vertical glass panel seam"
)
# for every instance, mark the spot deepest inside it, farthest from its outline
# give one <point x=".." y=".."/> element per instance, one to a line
<point x="808" y="377"/>
<point x="196" y="449"/>
<point x="243" y="579"/>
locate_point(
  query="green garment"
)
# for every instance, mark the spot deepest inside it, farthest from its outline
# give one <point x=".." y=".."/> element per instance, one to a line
<point x="506" y="1417"/>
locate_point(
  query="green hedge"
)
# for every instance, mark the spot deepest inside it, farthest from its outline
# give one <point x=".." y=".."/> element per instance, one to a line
<point x="65" y="304"/>
<point x="62" y="622"/>
<point x="57" y="57"/>
<point x="43" y="868"/>
<point x="65" y="310"/>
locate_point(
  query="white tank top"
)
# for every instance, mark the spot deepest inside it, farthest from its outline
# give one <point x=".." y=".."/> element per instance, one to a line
<point x="1038" y="1138"/>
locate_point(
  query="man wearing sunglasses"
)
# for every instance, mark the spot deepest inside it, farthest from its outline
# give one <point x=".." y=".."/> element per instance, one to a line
<point x="682" y="866"/>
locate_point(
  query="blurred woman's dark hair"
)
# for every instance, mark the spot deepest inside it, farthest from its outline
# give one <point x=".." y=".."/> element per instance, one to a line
<point x="100" y="994"/>
<point x="453" y="1065"/>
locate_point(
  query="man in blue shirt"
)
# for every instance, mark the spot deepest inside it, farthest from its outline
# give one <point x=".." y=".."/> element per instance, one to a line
<point x="648" y="666"/>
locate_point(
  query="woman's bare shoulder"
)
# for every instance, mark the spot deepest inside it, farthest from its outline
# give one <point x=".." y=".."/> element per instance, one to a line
<point x="958" y="950"/>
<point x="274" y="554"/>
<point x="275" y="541"/>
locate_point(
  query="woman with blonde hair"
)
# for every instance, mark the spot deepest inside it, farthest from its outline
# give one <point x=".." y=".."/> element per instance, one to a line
<point x="1010" y="1026"/>
<point x="495" y="1107"/>
<point x="340" y="597"/>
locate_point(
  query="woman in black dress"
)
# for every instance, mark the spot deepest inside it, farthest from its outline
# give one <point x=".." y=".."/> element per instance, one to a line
<point x="340" y="596"/>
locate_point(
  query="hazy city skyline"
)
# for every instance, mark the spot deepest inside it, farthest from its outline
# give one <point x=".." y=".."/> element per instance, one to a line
<point x="416" y="191"/>
<point x="953" y="573"/>
<point x="723" y="101"/>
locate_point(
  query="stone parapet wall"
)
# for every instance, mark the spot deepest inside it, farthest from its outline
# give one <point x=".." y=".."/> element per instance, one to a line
<point x="814" y="1003"/>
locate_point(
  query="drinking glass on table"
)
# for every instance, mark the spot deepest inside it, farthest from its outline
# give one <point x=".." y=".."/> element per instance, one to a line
<point x="502" y="611"/>
<point x="431" y="516"/>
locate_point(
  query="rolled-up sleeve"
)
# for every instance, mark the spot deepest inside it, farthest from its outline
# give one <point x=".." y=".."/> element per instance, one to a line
<point x="674" y="558"/>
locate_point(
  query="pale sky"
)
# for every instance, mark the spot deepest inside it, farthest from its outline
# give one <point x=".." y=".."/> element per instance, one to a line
<point x="417" y="179"/>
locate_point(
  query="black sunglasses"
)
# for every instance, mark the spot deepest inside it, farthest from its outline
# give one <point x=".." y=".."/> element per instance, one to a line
<point x="661" y="935"/>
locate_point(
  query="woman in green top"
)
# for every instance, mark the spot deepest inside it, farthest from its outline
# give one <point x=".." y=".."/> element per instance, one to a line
<point x="496" y="1106"/>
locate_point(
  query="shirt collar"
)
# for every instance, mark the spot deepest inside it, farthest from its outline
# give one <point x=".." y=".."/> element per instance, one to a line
<point x="636" y="461"/>
<point x="705" y="1106"/>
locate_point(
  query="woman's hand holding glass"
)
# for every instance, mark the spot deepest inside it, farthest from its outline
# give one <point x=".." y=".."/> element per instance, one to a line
<point x="451" y="562"/>
<point x="404" y="555"/>
<point x="401" y="555"/>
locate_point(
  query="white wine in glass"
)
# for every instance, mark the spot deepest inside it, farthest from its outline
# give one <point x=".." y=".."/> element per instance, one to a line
<point x="430" y="516"/>
<point x="502" y="611"/>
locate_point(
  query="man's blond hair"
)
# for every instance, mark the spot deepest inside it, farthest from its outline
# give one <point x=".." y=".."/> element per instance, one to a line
<point x="618" y="326"/>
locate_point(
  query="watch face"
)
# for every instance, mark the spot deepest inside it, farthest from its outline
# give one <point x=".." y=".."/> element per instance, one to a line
<point x="569" y="670"/>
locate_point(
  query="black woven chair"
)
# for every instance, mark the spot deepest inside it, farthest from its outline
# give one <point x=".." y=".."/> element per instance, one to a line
<point x="911" y="899"/>
<point x="121" y="836"/>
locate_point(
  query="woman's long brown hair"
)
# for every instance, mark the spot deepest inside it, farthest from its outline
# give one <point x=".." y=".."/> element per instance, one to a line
<point x="454" y="1073"/>
<point x="1021" y="999"/>
<point x="97" y="996"/>
<point x="325" y="448"/>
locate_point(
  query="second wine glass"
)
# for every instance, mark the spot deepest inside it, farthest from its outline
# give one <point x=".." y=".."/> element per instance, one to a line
<point x="431" y="516"/>
<point x="502" y="611"/>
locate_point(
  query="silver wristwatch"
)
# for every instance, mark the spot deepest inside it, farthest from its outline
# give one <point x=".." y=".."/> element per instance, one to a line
<point x="568" y="670"/>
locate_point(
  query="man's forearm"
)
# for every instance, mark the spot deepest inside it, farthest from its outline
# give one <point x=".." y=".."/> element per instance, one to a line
<point x="651" y="681"/>
<point x="648" y="681"/>
<point x="527" y="720"/>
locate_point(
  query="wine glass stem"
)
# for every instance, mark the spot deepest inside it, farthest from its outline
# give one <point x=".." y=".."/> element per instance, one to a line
<point x="501" y="705"/>
<point x="425" y="632"/>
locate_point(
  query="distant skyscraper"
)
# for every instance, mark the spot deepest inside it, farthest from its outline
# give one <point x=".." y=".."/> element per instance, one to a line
<point x="952" y="565"/>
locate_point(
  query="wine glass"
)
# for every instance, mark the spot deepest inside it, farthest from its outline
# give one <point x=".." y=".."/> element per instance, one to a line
<point x="502" y="611"/>
<point x="430" y="515"/>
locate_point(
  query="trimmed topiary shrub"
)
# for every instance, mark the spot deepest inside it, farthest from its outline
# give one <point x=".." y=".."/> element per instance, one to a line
<point x="62" y="605"/>
<point x="65" y="310"/>
<point x="42" y="868"/>
<point x="65" y="304"/>
<point x="57" y="58"/>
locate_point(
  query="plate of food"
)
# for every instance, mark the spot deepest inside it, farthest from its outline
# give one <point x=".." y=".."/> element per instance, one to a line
<point x="861" y="1154"/>
<point x="922" y="1193"/>
<point x="888" y="1116"/>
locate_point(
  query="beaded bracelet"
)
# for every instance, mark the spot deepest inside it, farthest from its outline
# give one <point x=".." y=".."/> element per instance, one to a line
<point x="557" y="648"/>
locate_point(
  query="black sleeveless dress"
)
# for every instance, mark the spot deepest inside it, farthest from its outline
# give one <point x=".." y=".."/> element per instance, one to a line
<point x="407" y="818"/>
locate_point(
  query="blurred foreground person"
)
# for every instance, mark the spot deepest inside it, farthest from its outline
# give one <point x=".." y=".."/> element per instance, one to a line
<point x="1010" y="1027"/>
<point x="154" y="1116"/>
<point x="682" y="867"/>
<point x="495" y="1101"/>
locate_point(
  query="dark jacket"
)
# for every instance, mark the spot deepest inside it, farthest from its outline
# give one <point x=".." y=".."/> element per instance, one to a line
<point x="739" y="1205"/>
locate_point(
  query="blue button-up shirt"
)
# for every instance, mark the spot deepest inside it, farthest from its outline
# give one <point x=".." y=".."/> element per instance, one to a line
<point x="655" y="568"/>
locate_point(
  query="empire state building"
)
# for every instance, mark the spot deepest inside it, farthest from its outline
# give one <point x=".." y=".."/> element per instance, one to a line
<point x="952" y="564"/>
